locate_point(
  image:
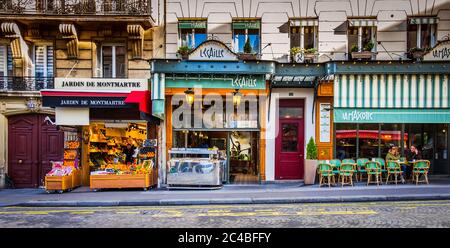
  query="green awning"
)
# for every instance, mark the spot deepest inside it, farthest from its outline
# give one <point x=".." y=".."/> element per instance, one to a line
<point x="191" y="24"/>
<point x="423" y="20"/>
<point x="354" y="115"/>
<point x="247" y="25"/>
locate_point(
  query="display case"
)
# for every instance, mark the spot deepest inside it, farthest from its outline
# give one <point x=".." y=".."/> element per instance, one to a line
<point x="194" y="168"/>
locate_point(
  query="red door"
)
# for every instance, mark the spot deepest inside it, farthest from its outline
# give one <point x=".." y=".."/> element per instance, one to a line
<point x="32" y="144"/>
<point x="289" y="144"/>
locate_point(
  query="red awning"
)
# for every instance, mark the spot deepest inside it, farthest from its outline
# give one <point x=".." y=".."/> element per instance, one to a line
<point x="142" y="98"/>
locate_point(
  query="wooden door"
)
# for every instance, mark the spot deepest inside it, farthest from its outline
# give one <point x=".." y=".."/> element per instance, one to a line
<point x="289" y="143"/>
<point x="23" y="150"/>
<point x="32" y="144"/>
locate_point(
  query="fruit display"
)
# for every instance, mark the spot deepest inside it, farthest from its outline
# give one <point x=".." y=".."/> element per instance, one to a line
<point x="73" y="144"/>
<point x="60" y="170"/>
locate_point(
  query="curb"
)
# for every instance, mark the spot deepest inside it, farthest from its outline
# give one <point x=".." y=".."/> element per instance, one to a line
<point x="228" y="201"/>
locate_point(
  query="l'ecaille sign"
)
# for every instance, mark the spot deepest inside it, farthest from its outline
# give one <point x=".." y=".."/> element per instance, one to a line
<point x="213" y="50"/>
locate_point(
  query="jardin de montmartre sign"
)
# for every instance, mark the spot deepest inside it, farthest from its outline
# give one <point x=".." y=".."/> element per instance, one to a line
<point x="101" y="84"/>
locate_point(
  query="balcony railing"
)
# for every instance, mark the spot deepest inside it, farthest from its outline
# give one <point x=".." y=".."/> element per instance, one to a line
<point x="77" y="7"/>
<point x="25" y="83"/>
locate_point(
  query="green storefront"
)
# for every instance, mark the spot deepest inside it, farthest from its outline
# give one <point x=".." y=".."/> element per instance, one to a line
<point x="380" y="105"/>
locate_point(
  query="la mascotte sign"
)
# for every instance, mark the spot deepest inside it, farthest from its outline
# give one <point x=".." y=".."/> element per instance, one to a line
<point x="440" y="52"/>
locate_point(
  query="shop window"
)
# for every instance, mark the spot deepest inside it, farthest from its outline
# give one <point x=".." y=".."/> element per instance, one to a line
<point x="192" y="33"/>
<point x="368" y="135"/>
<point x="345" y="140"/>
<point x="246" y="31"/>
<point x="113" y="62"/>
<point x="390" y="136"/>
<point x="361" y="38"/>
<point x="421" y="36"/>
<point x="43" y="61"/>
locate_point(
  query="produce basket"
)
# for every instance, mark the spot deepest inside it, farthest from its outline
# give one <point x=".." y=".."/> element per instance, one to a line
<point x="62" y="178"/>
<point x="114" y="181"/>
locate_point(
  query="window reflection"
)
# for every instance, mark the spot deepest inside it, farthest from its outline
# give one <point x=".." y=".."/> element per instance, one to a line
<point x="390" y="136"/>
<point x="368" y="140"/>
<point x="345" y="141"/>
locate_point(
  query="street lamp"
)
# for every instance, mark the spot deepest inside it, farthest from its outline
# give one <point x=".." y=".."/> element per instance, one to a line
<point x="237" y="97"/>
<point x="189" y="96"/>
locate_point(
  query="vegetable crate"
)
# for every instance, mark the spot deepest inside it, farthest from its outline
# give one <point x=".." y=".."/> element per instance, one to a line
<point x="120" y="181"/>
<point x="62" y="183"/>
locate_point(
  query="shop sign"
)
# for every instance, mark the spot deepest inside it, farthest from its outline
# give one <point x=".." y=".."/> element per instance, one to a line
<point x="213" y="50"/>
<point x="67" y="101"/>
<point x="101" y="84"/>
<point x="441" y="52"/>
<point x="247" y="25"/>
<point x="344" y="115"/>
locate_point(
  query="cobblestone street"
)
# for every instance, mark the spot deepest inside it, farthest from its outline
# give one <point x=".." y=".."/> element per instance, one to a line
<point x="379" y="214"/>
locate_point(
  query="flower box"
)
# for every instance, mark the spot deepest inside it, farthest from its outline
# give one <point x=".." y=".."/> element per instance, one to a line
<point x="114" y="181"/>
<point x="416" y="54"/>
<point x="362" y="55"/>
<point x="247" y="56"/>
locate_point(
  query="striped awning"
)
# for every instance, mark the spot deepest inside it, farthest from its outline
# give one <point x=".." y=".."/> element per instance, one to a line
<point x="423" y="20"/>
<point x="303" y="22"/>
<point x="362" y="22"/>
<point x="389" y="91"/>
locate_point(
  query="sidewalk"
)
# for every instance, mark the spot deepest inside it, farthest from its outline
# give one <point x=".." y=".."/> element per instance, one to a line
<point x="230" y="194"/>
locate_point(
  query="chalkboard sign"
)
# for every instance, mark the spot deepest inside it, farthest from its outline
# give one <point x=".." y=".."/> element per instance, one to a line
<point x="147" y="153"/>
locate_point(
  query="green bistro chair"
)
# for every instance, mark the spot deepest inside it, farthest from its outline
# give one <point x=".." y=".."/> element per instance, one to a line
<point x="383" y="167"/>
<point x="346" y="174"/>
<point x="352" y="162"/>
<point x="336" y="163"/>
<point x="420" y="168"/>
<point x="373" y="169"/>
<point x="393" y="169"/>
<point x="361" y="164"/>
<point x="325" y="173"/>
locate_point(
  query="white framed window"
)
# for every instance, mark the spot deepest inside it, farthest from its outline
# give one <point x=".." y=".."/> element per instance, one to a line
<point x="43" y="59"/>
<point x="362" y="38"/>
<point x="112" y="58"/>
<point x="192" y="32"/>
<point x="246" y="31"/>
<point x="304" y="33"/>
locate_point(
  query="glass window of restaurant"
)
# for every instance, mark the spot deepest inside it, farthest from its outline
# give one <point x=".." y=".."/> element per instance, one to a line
<point x="370" y="140"/>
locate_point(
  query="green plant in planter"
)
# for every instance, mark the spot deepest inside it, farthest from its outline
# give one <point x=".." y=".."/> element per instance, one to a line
<point x="311" y="51"/>
<point x="311" y="149"/>
<point x="247" y="47"/>
<point x="354" y="48"/>
<point x="184" y="50"/>
<point x="295" y="50"/>
<point x="419" y="49"/>
<point x="369" y="46"/>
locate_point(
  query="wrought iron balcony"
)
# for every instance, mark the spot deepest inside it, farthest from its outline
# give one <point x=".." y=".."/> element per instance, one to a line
<point x="8" y="84"/>
<point x="76" y="7"/>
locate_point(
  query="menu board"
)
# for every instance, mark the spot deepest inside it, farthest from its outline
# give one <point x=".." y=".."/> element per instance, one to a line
<point x="325" y="122"/>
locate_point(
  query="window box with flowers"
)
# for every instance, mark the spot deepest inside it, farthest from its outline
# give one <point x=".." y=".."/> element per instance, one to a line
<point x="308" y="54"/>
<point x="365" y="53"/>
<point x="417" y="53"/>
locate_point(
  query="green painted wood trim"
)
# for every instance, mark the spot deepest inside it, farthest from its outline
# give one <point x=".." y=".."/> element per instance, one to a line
<point x="425" y="84"/>
<point x="355" y="94"/>
<point x="441" y="89"/>
<point x="409" y="91"/>
<point x="363" y="90"/>
<point x="386" y="89"/>
<point x="259" y="84"/>
<point x="402" y="85"/>
<point x="383" y="115"/>
<point x="394" y="94"/>
<point x="417" y="90"/>
<point x="348" y="91"/>
<point x="433" y="85"/>
<point x="371" y="91"/>
<point x="247" y="25"/>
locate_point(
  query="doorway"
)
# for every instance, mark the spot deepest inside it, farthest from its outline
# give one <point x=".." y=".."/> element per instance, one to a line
<point x="289" y="144"/>
<point x="32" y="145"/>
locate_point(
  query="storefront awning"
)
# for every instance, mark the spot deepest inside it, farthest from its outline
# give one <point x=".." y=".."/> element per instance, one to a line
<point x="304" y="22"/>
<point x="423" y="20"/>
<point x="362" y="22"/>
<point x="355" y="115"/>
<point x="142" y="98"/>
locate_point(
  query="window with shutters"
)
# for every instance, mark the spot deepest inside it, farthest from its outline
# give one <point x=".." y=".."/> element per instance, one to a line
<point x="6" y="65"/>
<point x="113" y="61"/>
<point x="422" y="33"/>
<point x="43" y="61"/>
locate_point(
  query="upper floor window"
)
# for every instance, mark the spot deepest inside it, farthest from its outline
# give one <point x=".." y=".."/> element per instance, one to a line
<point x="246" y="31"/>
<point x="43" y="61"/>
<point x="361" y="35"/>
<point x="422" y="32"/>
<point x="113" y="61"/>
<point x="303" y="33"/>
<point x="192" y="32"/>
<point x="6" y="64"/>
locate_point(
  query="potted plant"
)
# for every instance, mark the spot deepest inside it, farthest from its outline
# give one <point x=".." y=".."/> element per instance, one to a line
<point x="183" y="51"/>
<point x="310" y="167"/>
<point x="366" y="52"/>
<point x="310" y="53"/>
<point x="417" y="52"/>
<point x="248" y="52"/>
<point x="294" y="51"/>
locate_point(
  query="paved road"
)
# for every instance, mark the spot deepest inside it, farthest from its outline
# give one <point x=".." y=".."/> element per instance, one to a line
<point x="376" y="214"/>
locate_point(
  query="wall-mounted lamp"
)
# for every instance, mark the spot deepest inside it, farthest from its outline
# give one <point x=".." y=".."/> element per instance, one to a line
<point x="237" y="97"/>
<point x="189" y="96"/>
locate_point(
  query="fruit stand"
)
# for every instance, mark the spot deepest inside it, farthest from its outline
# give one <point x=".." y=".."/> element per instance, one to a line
<point x="62" y="178"/>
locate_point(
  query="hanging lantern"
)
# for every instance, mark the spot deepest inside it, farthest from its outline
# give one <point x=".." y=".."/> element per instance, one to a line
<point x="237" y="97"/>
<point x="189" y="96"/>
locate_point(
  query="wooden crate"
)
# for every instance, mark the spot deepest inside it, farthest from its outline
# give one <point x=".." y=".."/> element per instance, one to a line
<point x="120" y="181"/>
<point x="76" y="178"/>
<point x="58" y="183"/>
